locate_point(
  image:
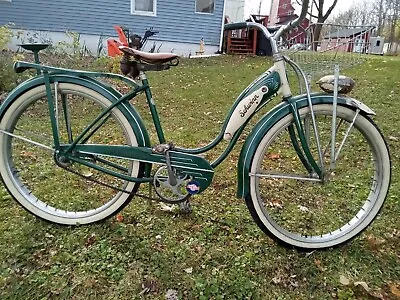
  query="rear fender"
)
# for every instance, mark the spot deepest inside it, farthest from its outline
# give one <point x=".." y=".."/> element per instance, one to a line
<point x="269" y="119"/>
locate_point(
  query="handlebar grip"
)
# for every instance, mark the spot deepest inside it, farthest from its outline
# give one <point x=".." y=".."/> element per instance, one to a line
<point x="234" y="26"/>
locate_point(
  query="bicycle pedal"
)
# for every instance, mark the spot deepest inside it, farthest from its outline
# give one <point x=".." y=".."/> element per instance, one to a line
<point x="162" y="148"/>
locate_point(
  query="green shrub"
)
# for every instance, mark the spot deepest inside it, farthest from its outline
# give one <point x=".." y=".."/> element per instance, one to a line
<point x="5" y="36"/>
<point x="107" y="64"/>
<point x="8" y="78"/>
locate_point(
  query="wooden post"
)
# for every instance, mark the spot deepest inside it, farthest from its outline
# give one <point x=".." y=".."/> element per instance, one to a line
<point x="229" y="41"/>
<point x="254" y="41"/>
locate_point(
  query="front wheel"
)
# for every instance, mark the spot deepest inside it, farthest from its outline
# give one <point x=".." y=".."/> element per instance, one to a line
<point x="60" y="191"/>
<point x="298" y="209"/>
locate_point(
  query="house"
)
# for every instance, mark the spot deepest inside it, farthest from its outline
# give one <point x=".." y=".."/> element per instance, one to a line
<point x="280" y="11"/>
<point x="181" y="24"/>
<point x="356" y="39"/>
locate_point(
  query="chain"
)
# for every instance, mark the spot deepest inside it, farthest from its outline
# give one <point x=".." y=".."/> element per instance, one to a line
<point x="106" y="184"/>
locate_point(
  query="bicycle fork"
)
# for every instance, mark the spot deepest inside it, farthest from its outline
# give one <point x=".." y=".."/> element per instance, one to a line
<point x="303" y="149"/>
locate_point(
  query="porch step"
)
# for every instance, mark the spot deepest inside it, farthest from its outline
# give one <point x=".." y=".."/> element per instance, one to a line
<point x="240" y="46"/>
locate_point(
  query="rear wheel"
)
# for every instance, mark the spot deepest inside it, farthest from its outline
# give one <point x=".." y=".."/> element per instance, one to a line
<point x="67" y="193"/>
<point x="300" y="210"/>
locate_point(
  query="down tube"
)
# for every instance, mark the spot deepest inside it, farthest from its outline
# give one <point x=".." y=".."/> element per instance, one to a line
<point x="269" y="79"/>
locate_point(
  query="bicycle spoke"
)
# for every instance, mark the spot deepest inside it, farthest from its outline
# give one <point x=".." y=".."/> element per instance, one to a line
<point x="34" y="135"/>
<point x="67" y="117"/>
<point x="27" y="140"/>
<point x="330" y="142"/>
<point x="346" y="134"/>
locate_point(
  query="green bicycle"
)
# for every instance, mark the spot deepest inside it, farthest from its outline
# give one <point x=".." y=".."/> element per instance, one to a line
<point x="314" y="171"/>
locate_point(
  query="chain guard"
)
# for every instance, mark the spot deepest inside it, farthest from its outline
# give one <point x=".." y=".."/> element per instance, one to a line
<point x="182" y="179"/>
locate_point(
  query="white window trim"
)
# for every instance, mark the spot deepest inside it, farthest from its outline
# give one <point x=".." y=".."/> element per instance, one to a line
<point x="202" y="13"/>
<point x="144" y="13"/>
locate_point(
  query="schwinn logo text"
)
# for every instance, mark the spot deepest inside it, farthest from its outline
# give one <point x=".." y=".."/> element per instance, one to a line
<point x="247" y="106"/>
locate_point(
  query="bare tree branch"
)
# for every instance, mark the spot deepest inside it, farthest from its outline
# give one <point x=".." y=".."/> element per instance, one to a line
<point x="299" y="3"/>
<point x="329" y="11"/>
<point x="312" y="15"/>
<point x="316" y="4"/>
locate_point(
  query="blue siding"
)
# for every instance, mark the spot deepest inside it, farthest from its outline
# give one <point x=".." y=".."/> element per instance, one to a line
<point x="176" y="20"/>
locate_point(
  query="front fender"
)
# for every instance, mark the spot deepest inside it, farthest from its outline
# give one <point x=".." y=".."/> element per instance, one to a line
<point x="269" y="119"/>
<point x="110" y="93"/>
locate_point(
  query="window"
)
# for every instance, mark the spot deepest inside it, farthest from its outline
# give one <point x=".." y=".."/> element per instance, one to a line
<point x="144" y="7"/>
<point x="205" y="6"/>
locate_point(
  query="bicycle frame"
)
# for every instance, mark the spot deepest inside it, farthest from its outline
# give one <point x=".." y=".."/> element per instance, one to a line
<point x="185" y="159"/>
<point x="252" y="99"/>
<point x="288" y="170"/>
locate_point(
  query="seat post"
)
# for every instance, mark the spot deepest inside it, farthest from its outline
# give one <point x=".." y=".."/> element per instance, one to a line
<point x="35" y="48"/>
<point x="152" y="106"/>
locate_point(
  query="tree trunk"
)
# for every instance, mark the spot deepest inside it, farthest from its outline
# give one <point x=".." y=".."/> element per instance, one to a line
<point x="317" y="36"/>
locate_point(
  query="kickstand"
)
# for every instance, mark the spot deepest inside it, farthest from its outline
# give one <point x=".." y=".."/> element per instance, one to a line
<point x="149" y="201"/>
<point x="185" y="207"/>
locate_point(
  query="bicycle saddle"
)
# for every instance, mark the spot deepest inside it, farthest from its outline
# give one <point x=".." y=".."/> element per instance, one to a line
<point x="150" y="58"/>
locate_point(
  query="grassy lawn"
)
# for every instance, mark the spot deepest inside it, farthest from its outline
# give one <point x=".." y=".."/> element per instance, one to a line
<point x="217" y="252"/>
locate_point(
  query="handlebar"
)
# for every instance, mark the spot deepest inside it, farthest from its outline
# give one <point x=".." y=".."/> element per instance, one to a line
<point x="240" y="25"/>
<point x="268" y="31"/>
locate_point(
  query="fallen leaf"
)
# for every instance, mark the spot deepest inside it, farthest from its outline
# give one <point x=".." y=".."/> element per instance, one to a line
<point x="87" y="173"/>
<point x="276" y="280"/>
<point x="363" y="284"/>
<point x="393" y="138"/>
<point x="120" y="218"/>
<point x="394" y="289"/>
<point x="28" y="154"/>
<point x="48" y="235"/>
<point x="189" y="270"/>
<point x="149" y="285"/>
<point x="276" y="203"/>
<point x="90" y="240"/>
<point x="165" y="207"/>
<point x="374" y="242"/>
<point x="319" y="265"/>
<point x="303" y="208"/>
<point x="171" y="295"/>
<point x="344" y="280"/>
<point x="274" y="156"/>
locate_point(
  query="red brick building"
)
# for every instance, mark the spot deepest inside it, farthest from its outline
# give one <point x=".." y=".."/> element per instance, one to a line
<point x="281" y="13"/>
